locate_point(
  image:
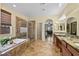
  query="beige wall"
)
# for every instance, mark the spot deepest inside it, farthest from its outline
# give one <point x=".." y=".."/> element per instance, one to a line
<point x="42" y="19"/>
<point x="72" y="10"/>
<point x="13" y="20"/>
<point x="75" y="14"/>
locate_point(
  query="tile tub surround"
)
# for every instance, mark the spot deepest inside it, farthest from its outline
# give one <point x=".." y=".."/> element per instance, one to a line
<point x="9" y="47"/>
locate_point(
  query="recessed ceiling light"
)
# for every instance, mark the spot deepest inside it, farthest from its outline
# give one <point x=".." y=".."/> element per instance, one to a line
<point x="14" y="5"/>
<point x="60" y="4"/>
<point x="43" y="9"/>
<point x="42" y="3"/>
<point x="63" y="17"/>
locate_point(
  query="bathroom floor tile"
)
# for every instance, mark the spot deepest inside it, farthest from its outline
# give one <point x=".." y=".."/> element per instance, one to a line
<point x="41" y="48"/>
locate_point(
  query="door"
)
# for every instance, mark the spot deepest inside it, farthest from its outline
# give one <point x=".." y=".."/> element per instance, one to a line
<point x="39" y="31"/>
<point x="31" y="30"/>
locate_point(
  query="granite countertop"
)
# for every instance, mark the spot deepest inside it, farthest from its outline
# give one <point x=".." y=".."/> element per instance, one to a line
<point x="9" y="47"/>
<point x="74" y="42"/>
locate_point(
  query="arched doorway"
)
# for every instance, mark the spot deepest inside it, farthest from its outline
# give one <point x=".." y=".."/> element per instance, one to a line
<point x="48" y="29"/>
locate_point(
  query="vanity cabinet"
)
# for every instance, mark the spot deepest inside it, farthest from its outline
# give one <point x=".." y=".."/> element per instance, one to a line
<point x="65" y="51"/>
<point x="65" y="48"/>
<point x="57" y="42"/>
<point x="54" y="41"/>
<point x="73" y="51"/>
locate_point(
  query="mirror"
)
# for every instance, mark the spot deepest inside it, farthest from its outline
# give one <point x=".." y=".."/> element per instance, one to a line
<point x="60" y="26"/>
<point x="72" y="26"/>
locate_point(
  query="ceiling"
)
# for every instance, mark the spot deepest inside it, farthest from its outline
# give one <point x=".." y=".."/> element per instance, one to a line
<point x="37" y="9"/>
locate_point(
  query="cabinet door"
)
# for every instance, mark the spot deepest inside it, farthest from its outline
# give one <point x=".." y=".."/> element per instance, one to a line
<point x="54" y="39"/>
<point x="65" y="51"/>
<point x="73" y="51"/>
<point x="64" y="43"/>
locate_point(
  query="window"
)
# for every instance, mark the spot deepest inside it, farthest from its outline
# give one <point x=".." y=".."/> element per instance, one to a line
<point x="5" y="22"/>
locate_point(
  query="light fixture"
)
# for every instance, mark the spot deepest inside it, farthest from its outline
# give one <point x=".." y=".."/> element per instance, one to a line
<point x="63" y="17"/>
<point x="60" y="4"/>
<point x="43" y="9"/>
<point x="14" y="5"/>
<point x="42" y="3"/>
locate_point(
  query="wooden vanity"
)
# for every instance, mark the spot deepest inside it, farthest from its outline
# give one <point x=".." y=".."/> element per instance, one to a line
<point x="66" y="48"/>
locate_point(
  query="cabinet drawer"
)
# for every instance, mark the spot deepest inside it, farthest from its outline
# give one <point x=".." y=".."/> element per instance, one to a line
<point x="72" y="50"/>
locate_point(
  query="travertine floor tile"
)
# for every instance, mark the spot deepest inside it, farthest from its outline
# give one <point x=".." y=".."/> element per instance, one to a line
<point x="41" y="48"/>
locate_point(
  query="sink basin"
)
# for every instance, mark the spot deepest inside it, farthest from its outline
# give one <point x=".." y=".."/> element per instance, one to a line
<point x="77" y="44"/>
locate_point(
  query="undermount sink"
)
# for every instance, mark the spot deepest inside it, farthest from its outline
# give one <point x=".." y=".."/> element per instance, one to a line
<point x="77" y="44"/>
